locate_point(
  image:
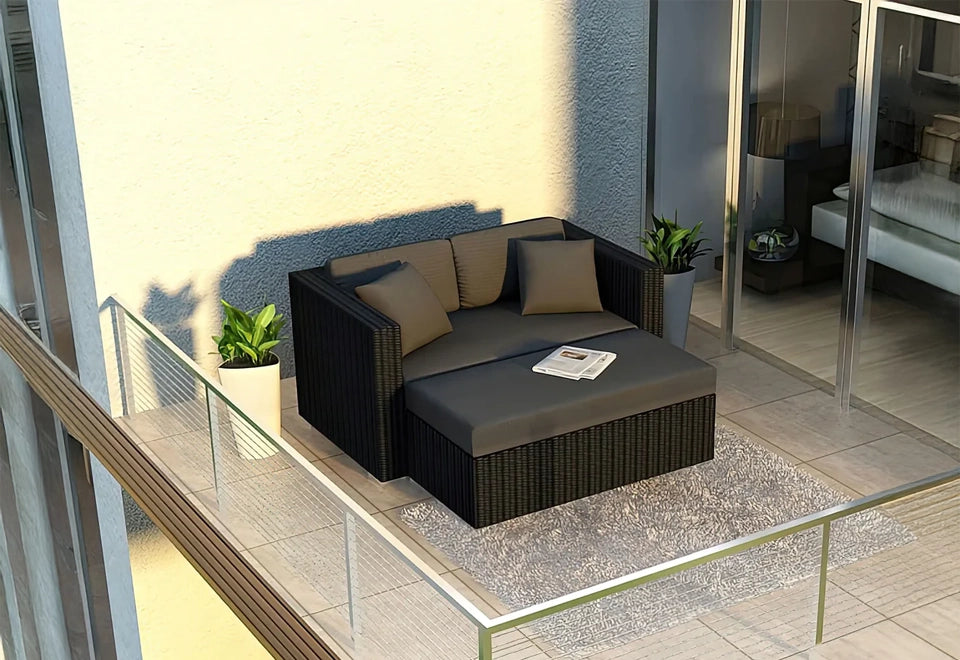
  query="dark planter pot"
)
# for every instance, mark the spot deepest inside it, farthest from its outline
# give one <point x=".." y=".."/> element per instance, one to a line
<point x="677" y="297"/>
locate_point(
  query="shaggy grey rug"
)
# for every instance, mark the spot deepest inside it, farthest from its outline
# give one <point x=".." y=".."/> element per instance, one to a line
<point x="746" y="488"/>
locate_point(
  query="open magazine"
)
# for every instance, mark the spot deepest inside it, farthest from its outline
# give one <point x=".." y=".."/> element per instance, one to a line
<point x="575" y="363"/>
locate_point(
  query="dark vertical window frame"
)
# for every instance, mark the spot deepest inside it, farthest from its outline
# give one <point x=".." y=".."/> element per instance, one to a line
<point x="653" y="30"/>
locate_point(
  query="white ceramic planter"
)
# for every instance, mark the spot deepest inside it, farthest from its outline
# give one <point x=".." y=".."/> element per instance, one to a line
<point x="256" y="390"/>
<point x="677" y="297"/>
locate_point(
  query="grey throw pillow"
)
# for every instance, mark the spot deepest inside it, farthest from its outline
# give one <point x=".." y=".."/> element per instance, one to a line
<point x="511" y="279"/>
<point x="557" y="277"/>
<point x="406" y="298"/>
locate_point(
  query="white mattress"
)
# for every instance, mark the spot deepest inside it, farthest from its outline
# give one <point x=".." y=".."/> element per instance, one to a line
<point x="912" y="251"/>
<point x="918" y="194"/>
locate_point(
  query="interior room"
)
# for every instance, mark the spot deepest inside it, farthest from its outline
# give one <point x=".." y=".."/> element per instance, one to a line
<point x="797" y="202"/>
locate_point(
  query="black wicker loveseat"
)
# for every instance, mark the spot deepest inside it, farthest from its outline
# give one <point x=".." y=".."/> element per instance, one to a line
<point x="465" y="416"/>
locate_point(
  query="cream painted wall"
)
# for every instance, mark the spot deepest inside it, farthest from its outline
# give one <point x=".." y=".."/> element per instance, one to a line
<point x="223" y="143"/>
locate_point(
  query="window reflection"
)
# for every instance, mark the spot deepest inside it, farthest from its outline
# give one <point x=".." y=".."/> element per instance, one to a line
<point x="910" y="350"/>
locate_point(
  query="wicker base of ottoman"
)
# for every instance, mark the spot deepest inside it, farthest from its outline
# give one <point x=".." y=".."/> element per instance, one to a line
<point x="510" y="483"/>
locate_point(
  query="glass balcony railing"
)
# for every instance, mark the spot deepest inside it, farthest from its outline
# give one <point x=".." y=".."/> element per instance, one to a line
<point x="360" y="592"/>
<point x="338" y="567"/>
<point x="369" y="595"/>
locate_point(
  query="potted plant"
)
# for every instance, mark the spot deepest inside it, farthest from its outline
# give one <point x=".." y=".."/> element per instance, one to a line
<point x="774" y="244"/>
<point x="250" y="372"/>
<point x="673" y="247"/>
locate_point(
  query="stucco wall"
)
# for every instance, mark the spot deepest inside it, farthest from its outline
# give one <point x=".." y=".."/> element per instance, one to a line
<point x="225" y="143"/>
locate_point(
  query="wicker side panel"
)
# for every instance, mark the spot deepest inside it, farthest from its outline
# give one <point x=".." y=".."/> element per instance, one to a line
<point x="349" y="379"/>
<point x="630" y="286"/>
<point x="441" y="467"/>
<point x="652" y="288"/>
<point x="564" y="468"/>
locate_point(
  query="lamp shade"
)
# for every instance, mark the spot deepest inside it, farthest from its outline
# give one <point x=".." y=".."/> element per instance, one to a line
<point x="789" y="131"/>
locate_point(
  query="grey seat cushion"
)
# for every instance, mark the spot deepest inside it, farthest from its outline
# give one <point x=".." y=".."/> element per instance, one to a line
<point x="432" y="259"/>
<point x="481" y="259"/>
<point x="500" y="405"/>
<point x="499" y="331"/>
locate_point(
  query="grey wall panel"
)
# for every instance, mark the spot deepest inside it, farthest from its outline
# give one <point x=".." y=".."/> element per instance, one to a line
<point x="693" y="58"/>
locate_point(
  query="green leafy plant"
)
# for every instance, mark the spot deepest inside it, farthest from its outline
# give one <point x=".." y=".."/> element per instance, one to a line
<point x="673" y="247"/>
<point x="767" y="241"/>
<point x="248" y="337"/>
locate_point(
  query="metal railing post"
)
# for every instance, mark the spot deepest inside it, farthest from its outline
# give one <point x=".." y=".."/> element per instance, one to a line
<point x="124" y="374"/>
<point x="822" y="600"/>
<point x="485" y="641"/>
<point x="213" y="426"/>
<point x="350" y="555"/>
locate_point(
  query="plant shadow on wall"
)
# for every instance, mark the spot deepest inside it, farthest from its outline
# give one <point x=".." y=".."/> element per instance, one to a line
<point x="171" y="312"/>
<point x="610" y="117"/>
<point x="261" y="277"/>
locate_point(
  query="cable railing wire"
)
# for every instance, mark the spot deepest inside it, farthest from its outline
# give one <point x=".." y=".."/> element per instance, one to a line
<point x="245" y="491"/>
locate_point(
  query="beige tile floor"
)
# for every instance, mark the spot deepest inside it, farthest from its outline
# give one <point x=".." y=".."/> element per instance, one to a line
<point x="909" y="358"/>
<point x="903" y="602"/>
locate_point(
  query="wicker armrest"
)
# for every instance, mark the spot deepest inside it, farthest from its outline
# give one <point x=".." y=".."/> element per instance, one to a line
<point x="349" y="378"/>
<point x="630" y="285"/>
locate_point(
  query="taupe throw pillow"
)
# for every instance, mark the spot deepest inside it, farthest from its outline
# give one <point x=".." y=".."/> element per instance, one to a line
<point x="405" y="297"/>
<point x="557" y="277"/>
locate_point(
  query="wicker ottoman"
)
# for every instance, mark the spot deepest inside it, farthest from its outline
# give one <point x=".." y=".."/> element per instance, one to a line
<point x="496" y="441"/>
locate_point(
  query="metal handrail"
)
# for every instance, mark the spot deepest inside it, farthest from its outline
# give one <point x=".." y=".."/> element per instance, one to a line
<point x="454" y="597"/>
<point x="824" y="518"/>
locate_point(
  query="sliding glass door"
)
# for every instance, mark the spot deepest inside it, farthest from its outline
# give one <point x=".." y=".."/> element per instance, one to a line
<point x="842" y="246"/>
<point x="909" y="354"/>
<point x="798" y="146"/>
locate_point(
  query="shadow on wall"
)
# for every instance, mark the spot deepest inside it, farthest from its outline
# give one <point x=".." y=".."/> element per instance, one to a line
<point x="171" y="313"/>
<point x="610" y="117"/>
<point x="262" y="276"/>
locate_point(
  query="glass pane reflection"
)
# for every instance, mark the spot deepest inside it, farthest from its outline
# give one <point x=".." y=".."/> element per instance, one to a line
<point x="909" y="361"/>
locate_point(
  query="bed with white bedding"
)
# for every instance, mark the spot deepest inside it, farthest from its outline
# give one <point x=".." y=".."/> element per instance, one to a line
<point x="914" y="223"/>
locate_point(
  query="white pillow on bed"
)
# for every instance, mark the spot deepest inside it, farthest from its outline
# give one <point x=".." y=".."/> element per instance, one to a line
<point x="916" y="194"/>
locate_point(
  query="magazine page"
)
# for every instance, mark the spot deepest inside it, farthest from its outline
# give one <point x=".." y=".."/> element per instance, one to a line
<point x="560" y="374"/>
<point x="597" y="368"/>
<point x="568" y="362"/>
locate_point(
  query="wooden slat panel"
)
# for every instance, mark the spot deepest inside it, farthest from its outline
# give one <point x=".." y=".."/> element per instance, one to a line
<point x="268" y="617"/>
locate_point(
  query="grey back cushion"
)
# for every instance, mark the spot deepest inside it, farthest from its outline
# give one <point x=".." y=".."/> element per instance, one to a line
<point x="481" y="259"/>
<point x="352" y="280"/>
<point x="432" y="259"/>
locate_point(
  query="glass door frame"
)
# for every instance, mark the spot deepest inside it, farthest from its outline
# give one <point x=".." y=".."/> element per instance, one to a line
<point x="744" y="43"/>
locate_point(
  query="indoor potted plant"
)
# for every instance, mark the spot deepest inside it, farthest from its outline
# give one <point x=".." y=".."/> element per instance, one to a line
<point x="673" y="247"/>
<point x="250" y="372"/>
